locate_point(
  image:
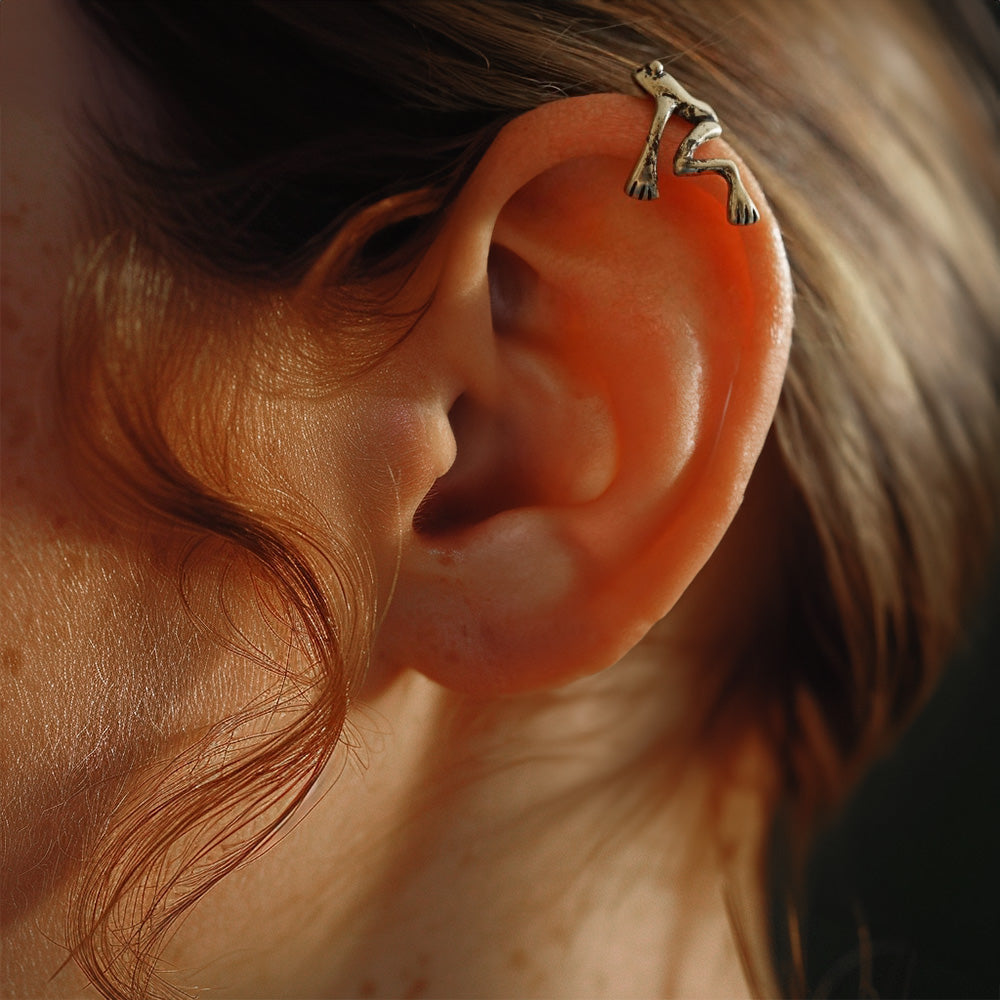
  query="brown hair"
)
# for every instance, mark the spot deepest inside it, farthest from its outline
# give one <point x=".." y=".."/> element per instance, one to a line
<point x="870" y="136"/>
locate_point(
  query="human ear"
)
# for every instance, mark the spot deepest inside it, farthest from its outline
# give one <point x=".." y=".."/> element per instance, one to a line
<point x="606" y="371"/>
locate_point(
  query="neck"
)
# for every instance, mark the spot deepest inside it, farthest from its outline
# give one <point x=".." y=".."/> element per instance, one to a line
<point x="562" y="845"/>
<point x="568" y="844"/>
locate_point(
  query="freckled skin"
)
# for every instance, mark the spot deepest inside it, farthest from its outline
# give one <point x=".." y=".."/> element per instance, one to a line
<point x="12" y="658"/>
<point x="672" y="99"/>
<point x="418" y="988"/>
<point x="429" y="867"/>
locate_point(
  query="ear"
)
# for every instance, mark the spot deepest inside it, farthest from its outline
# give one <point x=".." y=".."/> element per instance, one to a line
<point x="608" y="370"/>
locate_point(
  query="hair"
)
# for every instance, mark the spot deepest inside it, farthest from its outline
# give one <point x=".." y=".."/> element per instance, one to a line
<point x="874" y="139"/>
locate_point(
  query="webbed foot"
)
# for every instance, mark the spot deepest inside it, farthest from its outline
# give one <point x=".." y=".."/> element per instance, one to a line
<point x="641" y="185"/>
<point x="741" y="210"/>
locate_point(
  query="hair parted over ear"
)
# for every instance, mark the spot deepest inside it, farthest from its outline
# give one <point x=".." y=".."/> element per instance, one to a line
<point x="598" y="377"/>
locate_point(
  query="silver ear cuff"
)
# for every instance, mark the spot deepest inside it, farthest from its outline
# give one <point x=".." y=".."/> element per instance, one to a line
<point x="671" y="98"/>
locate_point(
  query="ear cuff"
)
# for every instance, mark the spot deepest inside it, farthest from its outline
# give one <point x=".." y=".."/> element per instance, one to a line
<point x="672" y="99"/>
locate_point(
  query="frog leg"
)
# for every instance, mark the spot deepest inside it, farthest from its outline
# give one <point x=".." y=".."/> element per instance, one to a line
<point x="641" y="183"/>
<point x="741" y="209"/>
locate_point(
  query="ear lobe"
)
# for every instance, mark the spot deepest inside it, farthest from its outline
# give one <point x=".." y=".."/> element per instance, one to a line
<point x="613" y="369"/>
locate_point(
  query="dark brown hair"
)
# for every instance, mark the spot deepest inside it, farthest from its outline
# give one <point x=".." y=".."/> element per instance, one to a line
<point x="271" y="124"/>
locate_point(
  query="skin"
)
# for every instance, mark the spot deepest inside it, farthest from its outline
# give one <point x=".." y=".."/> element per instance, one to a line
<point x="460" y="850"/>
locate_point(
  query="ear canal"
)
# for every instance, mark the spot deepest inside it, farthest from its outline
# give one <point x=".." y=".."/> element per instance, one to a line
<point x="512" y="281"/>
<point x="609" y="371"/>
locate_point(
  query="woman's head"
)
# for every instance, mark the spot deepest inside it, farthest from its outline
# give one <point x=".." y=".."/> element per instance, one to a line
<point x="353" y="104"/>
<point x="303" y="225"/>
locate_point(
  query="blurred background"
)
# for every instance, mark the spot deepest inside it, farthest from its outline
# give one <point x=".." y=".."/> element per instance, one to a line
<point x="903" y="890"/>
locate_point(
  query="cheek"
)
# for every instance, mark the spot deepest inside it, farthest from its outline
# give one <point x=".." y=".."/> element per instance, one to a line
<point x="95" y="685"/>
<point x="37" y="221"/>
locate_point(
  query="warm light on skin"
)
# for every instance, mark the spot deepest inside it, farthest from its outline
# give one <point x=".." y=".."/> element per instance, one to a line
<point x="713" y="366"/>
<point x="104" y="671"/>
<point x="55" y="576"/>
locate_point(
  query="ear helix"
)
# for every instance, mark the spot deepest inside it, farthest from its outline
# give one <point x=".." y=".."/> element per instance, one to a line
<point x="606" y="401"/>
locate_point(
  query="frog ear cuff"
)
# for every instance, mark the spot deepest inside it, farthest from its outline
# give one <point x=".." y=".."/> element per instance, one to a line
<point x="671" y="98"/>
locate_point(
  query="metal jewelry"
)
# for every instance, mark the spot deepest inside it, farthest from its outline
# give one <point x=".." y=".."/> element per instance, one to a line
<point x="671" y="98"/>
